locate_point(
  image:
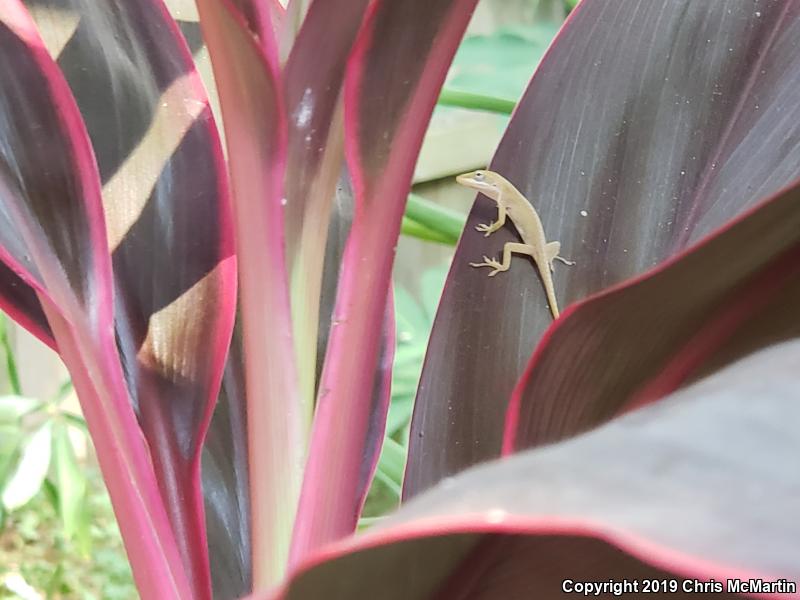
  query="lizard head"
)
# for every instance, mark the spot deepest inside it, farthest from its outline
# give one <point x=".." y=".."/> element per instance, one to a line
<point x="481" y="180"/>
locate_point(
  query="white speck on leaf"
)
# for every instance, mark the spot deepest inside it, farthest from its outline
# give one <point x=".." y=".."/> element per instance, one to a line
<point x="496" y="515"/>
<point x="584" y="213"/>
<point x="302" y="114"/>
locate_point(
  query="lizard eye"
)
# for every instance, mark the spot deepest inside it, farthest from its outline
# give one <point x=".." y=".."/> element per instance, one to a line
<point x="479" y="175"/>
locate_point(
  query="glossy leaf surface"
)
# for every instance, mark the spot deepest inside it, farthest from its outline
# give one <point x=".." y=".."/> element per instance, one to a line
<point x="631" y="148"/>
<point x="19" y="300"/>
<point x="54" y="238"/>
<point x="313" y="80"/>
<point x="247" y="72"/>
<point x="643" y="340"/>
<point x="226" y="483"/>
<point x="393" y="78"/>
<point x="167" y="209"/>
<point x="698" y="486"/>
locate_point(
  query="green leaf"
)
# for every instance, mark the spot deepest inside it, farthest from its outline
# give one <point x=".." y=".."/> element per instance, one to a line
<point x="462" y="99"/>
<point x="72" y="487"/>
<point x="411" y="320"/>
<point x="50" y="492"/>
<point x="64" y="390"/>
<point x="393" y="460"/>
<point x="11" y="363"/>
<point x="26" y="480"/>
<point x="76" y="421"/>
<point x="444" y="221"/>
<point x="365" y="522"/>
<point x="400" y="412"/>
<point x="497" y="67"/>
<point x="411" y="228"/>
<point x="10" y="441"/>
<point x="12" y="408"/>
<point x="391" y="485"/>
<point x="431" y="290"/>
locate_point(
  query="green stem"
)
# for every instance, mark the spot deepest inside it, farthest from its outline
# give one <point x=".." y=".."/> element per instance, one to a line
<point x="428" y="220"/>
<point x="450" y="97"/>
<point x="392" y="486"/>
<point x="11" y="363"/>
<point x="414" y="229"/>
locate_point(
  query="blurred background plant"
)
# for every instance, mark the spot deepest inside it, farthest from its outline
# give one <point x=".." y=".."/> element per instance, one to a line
<point x="54" y="509"/>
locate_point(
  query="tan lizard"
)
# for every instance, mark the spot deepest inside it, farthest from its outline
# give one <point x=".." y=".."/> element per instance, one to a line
<point x="511" y="203"/>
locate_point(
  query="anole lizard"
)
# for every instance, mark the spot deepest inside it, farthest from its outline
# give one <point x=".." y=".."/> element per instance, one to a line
<point x="511" y="203"/>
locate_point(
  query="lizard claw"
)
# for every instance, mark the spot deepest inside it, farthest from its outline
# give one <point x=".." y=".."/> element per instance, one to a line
<point x="489" y="262"/>
<point x="486" y="227"/>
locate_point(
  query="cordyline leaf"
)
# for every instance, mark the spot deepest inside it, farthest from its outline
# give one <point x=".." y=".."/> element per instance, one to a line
<point x="340" y="222"/>
<point x="699" y="486"/>
<point x="19" y="300"/>
<point x="167" y="210"/>
<point x="312" y="82"/>
<point x="640" y="342"/>
<point x="292" y="21"/>
<point x="393" y="78"/>
<point x="52" y="236"/>
<point x="630" y="149"/>
<point x="226" y="483"/>
<point x="247" y="74"/>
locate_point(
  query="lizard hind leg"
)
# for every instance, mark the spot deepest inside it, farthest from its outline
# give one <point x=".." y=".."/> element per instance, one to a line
<point x="551" y="253"/>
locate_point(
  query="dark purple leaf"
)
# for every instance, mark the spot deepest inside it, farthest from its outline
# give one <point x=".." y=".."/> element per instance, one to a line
<point x="312" y="85"/>
<point x="700" y="486"/>
<point x="53" y="237"/>
<point x="247" y="74"/>
<point x="170" y="233"/>
<point x="393" y="79"/>
<point x="646" y="127"/>
<point x="339" y="228"/>
<point x="226" y="483"/>
<point x="643" y="340"/>
<point x="19" y="300"/>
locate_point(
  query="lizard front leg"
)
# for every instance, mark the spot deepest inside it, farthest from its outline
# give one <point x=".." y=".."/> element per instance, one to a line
<point x="508" y="249"/>
<point x="490" y="228"/>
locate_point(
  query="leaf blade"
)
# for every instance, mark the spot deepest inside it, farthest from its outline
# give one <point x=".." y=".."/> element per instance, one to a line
<point x="662" y="346"/>
<point x="611" y="501"/>
<point x="381" y="184"/>
<point x="654" y="162"/>
<point x="27" y="479"/>
<point x="166" y="204"/>
<point x="54" y="239"/>
<point x="247" y="72"/>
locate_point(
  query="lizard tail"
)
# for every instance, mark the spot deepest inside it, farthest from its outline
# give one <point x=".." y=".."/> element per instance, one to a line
<point x="551" y="295"/>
